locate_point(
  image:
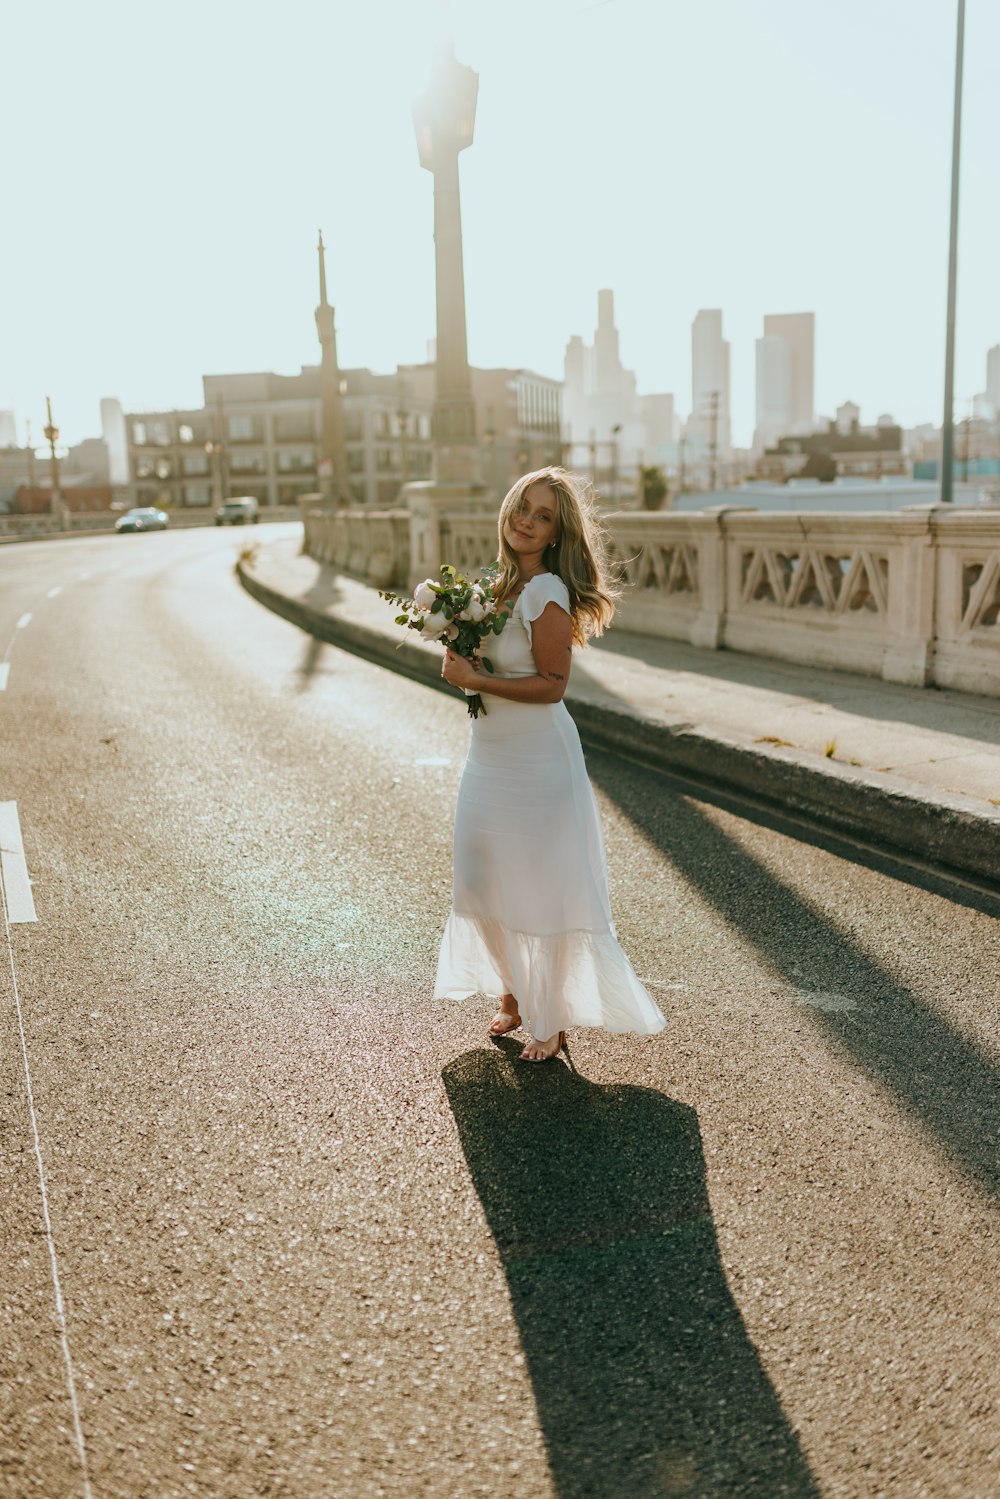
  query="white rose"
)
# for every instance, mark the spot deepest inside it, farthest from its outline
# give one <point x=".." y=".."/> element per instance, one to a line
<point x="435" y="625"/>
<point x="424" y="595"/>
<point x="451" y="632"/>
<point x="476" y="610"/>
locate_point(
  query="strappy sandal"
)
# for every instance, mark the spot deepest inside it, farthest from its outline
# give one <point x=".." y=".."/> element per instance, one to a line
<point x="503" y="1022"/>
<point x="551" y="1055"/>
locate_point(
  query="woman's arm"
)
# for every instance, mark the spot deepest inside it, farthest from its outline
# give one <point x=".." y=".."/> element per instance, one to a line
<point x="552" y="648"/>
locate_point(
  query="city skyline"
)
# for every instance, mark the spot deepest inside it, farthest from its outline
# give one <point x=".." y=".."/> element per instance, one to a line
<point x="148" y="257"/>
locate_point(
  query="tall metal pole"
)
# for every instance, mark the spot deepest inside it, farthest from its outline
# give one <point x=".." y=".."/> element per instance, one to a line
<point x="52" y="436"/>
<point x="948" y="425"/>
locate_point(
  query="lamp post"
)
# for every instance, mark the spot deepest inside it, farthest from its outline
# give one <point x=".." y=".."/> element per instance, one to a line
<point x="56" y="504"/>
<point x="402" y="423"/>
<point x="490" y="439"/>
<point x="614" y="462"/>
<point x="214" y="449"/>
<point x="948" y="425"/>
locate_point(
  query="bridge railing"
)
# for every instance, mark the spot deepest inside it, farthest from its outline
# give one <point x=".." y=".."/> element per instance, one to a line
<point x="912" y="596"/>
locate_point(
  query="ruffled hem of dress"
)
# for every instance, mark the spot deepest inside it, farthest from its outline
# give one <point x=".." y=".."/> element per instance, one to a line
<point x="573" y="979"/>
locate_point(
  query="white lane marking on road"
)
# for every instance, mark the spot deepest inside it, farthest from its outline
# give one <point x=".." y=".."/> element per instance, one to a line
<point x="4" y="674"/>
<point x="19" y="901"/>
<point x="23" y="622"/>
<point x="54" y="592"/>
<point x="50" y="1240"/>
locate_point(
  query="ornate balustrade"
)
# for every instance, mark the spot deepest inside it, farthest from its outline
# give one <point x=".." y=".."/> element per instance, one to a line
<point x="912" y="596"/>
<point x="371" y="544"/>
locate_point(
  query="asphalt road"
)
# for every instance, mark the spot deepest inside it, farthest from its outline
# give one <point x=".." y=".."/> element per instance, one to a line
<point x="315" y="1235"/>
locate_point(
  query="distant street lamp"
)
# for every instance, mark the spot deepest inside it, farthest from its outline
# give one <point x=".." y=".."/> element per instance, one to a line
<point x="214" y="449"/>
<point x="490" y="439"/>
<point x="948" y="426"/>
<point x="56" y="505"/>
<point x="614" y="462"/>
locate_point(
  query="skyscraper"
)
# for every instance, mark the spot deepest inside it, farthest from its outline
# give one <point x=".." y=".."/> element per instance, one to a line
<point x="993" y="377"/>
<point x="797" y="330"/>
<point x="710" y="396"/>
<point x="599" y="392"/>
<point x="774" y="390"/>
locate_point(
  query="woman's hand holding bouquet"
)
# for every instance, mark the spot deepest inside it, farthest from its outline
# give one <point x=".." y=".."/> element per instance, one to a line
<point x="458" y="612"/>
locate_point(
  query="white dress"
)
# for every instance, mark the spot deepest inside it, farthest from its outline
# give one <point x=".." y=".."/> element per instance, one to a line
<point x="530" y="910"/>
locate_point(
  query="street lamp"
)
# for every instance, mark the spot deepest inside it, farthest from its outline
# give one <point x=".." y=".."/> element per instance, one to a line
<point x="56" y="505"/>
<point x="213" y="449"/>
<point x="948" y="426"/>
<point x="614" y="462"/>
<point x="490" y="439"/>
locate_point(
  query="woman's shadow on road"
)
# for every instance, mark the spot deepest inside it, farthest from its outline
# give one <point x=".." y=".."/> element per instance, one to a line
<point x="645" y="1378"/>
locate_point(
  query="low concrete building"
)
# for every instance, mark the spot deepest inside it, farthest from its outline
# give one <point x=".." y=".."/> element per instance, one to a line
<point x="259" y="434"/>
<point x="855" y="451"/>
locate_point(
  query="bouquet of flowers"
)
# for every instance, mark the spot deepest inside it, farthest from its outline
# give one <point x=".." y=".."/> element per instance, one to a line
<point x="457" y="611"/>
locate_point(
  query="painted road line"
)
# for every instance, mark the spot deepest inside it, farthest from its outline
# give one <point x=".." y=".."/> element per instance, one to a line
<point x="19" y="903"/>
<point x="54" y="592"/>
<point x="81" y="1447"/>
<point x="4" y="674"/>
<point x="23" y="621"/>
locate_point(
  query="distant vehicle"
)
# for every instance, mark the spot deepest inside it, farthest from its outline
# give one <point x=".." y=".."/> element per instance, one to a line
<point x="147" y="519"/>
<point x="241" y="511"/>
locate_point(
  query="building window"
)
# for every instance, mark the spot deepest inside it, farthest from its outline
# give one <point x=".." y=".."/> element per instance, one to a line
<point x="294" y="426"/>
<point x="164" y="468"/>
<point x="355" y="460"/>
<point x="194" y="463"/>
<point x="244" y="429"/>
<point x="145" y="465"/>
<point x="197" y="494"/>
<point x="354" y="426"/>
<point x="424" y="427"/>
<point x="139" y="434"/>
<point x="296" y="460"/>
<point x="159" y="432"/>
<point x="185" y="433"/>
<point x="384" y="460"/>
<point x="247" y="463"/>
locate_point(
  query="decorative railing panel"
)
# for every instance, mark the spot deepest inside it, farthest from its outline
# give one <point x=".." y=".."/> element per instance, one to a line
<point x="912" y="596"/>
<point x="468" y="542"/>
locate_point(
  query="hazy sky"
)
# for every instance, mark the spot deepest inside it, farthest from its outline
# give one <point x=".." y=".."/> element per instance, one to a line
<point x="166" y="169"/>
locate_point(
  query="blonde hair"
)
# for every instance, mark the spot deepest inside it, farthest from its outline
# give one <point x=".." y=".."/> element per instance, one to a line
<point x="578" y="553"/>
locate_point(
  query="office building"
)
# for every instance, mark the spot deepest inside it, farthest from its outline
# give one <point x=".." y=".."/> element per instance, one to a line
<point x="259" y="434"/>
<point x="709" y="425"/>
<point x="787" y="394"/>
<point x="993" y="378"/>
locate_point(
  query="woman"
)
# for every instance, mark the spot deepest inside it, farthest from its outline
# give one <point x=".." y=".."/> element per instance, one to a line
<point x="530" y="915"/>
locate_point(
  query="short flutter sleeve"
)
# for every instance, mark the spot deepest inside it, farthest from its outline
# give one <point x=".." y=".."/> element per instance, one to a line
<point x="547" y="588"/>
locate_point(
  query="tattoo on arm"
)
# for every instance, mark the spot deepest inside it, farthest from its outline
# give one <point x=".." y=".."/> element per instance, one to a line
<point x="557" y="676"/>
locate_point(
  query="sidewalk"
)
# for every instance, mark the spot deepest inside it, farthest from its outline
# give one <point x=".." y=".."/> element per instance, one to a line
<point x="915" y="771"/>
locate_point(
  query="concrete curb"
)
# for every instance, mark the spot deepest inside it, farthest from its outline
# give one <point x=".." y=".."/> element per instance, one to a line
<point x="881" y="810"/>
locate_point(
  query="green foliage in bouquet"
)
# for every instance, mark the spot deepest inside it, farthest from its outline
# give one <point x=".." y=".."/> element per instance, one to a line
<point x="458" y="611"/>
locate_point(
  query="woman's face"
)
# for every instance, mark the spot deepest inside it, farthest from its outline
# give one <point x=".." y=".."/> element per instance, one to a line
<point x="532" y="525"/>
